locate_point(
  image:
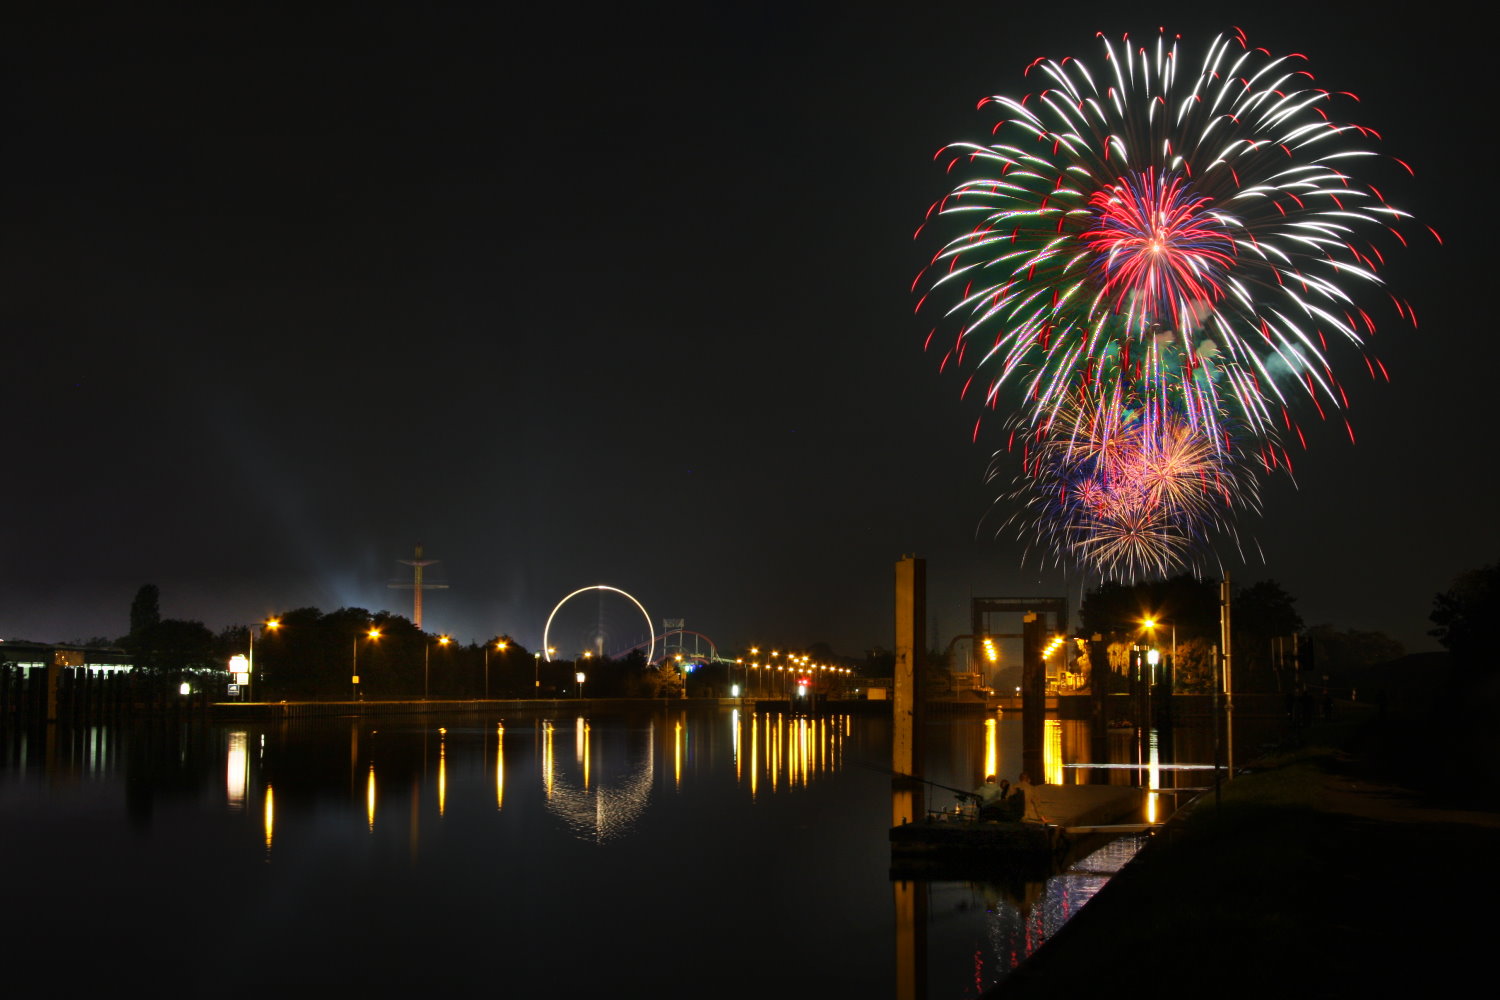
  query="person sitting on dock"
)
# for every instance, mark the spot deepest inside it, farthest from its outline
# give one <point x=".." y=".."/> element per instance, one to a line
<point x="1013" y="809"/>
<point x="990" y="798"/>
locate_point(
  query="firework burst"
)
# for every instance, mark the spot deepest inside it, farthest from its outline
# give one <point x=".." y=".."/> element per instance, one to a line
<point x="1170" y="249"/>
<point x="1126" y="493"/>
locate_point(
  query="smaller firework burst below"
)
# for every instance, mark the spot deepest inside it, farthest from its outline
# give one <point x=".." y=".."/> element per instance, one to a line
<point x="1126" y="493"/>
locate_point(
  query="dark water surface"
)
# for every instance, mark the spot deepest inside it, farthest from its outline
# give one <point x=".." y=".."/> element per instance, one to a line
<point x="671" y="852"/>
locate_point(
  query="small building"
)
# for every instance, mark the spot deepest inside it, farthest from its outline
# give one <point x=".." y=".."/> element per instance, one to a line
<point x="28" y="656"/>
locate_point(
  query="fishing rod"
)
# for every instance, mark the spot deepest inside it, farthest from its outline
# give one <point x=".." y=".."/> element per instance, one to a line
<point x="966" y="793"/>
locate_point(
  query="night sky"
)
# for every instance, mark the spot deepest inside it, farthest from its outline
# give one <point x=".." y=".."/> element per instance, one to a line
<point x="620" y="298"/>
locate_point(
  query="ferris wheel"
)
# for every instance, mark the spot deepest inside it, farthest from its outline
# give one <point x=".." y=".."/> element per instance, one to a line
<point x="547" y="646"/>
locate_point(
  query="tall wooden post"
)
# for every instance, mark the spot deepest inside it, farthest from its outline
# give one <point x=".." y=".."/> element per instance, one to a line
<point x="1099" y="678"/>
<point x="909" y="709"/>
<point x="1225" y="591"/>
<point x="1033" y="696"/>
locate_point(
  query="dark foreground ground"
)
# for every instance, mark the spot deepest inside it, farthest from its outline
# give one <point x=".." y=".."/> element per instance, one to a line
<point x="1362" y="859"/>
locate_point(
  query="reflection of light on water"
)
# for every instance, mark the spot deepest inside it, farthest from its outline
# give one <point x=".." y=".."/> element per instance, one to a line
<point x="991" y="747"/>
<point x="1013" y="932"/>
<point x="370" y="797"/>
<point x="237" y="769"/>
<point x="754" y="754"/>
<point x="1153" y="779"/>
<point x="1052" y="757"/>
<point x="677" y="754"/>
<point x="499" y="766"/>
<point x="442" y="770"/>
<point x="775" y="755"/>
<point x="98" y="751"/>
<point x="601" y="813"/>
<point x="734" y="730"/>
<point x="547" y="756"/>
<point x="270" y="815"/>
<point x="799" y="752"/>
<point x="796" y="750"/>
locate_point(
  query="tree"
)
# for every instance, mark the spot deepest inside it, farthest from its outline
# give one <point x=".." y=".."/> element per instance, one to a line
<point x="173" y="645"/>
<point x="145" y="610"/>
<point x="1466" y="616"/>
<point x="664" y="681"/>
<point x="1263" y="613"/>
<point x="1335" y="651"/>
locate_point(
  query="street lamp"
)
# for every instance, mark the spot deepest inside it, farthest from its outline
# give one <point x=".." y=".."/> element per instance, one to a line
<point x="271" y="623"/>
<point x="1150" y="624"/>
<point x="502" y="646"/>
<point x="373" y="634"/>
<point x="579" y="678"/>
<point x="443" y="640"/>
<point x="537" y="671"/>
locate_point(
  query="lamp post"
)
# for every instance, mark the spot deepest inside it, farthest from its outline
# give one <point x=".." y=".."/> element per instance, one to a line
<point x="443" y="640"/>
<point x="1151" y="623"/>
<point x="537" y="673"/>
<point x="373" y="634"/>
<point x="579" y="678"/>
<point x="271" y="623"/>
<point x="502" y="646"/>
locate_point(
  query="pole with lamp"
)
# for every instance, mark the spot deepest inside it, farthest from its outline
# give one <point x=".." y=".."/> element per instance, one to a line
<point x="537" y="671"/>
<point x="1150" y="624"/>
<point x="443" y="640"/>
<point x="501" y="646"/>
<point x="372" y="635"/>
<point x="271" y="623"/>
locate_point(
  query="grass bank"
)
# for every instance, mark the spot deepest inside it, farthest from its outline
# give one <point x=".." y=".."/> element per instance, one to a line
<point x="1314" y="875"/>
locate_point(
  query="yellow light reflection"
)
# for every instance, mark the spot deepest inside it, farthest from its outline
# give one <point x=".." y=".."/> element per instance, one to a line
<point x="735" y="722"/>
<point x="499" y="767"/>
<point x="270" y="815"/>
<point x="804" y="739"/>
<point x="370" y="797"/>
<point x="588" y="732"/>
<point x="774" y="756"/>
<point x="991" y="748"/>
<point x="547" y="757"/>
<point x="237" y="769"/>
<point x="442" y="789"/>
<point x="1153" y="780"/>
<point x="1052" y="757"/>
<point x="754" y="754"/>
<point x="677" y="754"/>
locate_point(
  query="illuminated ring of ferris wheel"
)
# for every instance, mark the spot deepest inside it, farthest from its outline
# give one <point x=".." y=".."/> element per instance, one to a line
<point x="547" y="629"/>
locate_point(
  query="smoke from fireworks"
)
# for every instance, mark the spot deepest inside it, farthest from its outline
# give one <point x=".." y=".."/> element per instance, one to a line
<point x="1165" y="249"/>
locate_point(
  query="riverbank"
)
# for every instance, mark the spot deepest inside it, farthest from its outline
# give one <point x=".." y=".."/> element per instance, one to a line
<point x="1314" y="875"/>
